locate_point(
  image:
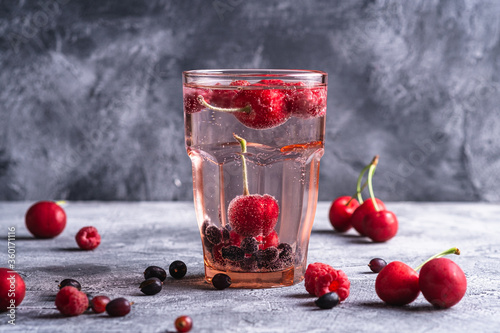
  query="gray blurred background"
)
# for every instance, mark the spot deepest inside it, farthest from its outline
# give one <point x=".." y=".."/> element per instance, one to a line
<point x="91" y="105"/>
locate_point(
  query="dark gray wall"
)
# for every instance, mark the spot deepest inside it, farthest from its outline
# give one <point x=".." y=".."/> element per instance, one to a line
<point x="91" y="107"/>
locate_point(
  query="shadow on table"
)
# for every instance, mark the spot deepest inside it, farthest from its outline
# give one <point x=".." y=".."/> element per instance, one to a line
<point x="405" y="308"/>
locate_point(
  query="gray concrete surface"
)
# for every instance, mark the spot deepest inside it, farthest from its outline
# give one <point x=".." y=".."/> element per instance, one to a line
<point x="91" y="107"/>
<point x="136" y="235"/>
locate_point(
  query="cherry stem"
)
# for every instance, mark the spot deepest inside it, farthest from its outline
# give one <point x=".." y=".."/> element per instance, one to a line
<point x="371" y="171"/>
<point x="358" y="184"/>
<point x="453" y="250"/>
<point x="246" y="109"/>
<point x="243" y="144"/>
<point x="356" y="194"/>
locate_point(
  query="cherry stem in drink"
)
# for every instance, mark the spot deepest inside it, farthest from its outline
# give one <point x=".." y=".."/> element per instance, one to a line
<point x="371" y="171"/>
<point x="243" y="144"/>
<point x="201" y="100"/>
<point x="453" y="250"/>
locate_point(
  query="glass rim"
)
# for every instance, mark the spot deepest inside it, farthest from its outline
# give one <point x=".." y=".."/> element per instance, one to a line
<point x="253" y="73"/>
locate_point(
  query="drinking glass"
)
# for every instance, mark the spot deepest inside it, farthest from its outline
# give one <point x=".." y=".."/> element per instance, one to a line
<point x="255" y="139"/>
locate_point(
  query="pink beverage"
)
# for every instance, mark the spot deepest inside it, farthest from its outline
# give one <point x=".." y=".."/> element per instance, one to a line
<point x="255" y="139"/>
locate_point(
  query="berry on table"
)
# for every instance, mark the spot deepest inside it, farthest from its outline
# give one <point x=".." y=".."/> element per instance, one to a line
<point x="397" y="284"/>
<point x="45" y="219"/>
<point x="380" y="226"/>
<point x="71" y="283"/>
<point x="88" y="238"/>
<point x="183" y="324"/>
<point x="321" y="279"/>
<point x="9" y="281"/>
<point x="71" y="301"/>
<point x="376" y="264"/>
<point x="221" y="281"/>
<point x="155" y="271"/>
<point x="328" y="300"/>
<point x="98" y="303"/>
<point x="341" y="211"/>
<point x="177" y="269"/>
<point x="151" y="286"/>
<point x="442" y="282"/>
<point x="118" y="307"/>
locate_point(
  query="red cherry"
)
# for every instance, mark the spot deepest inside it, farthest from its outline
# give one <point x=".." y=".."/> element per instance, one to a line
<point x="306" y="102"/>
<point x="397" y="284"/>
<point x="223" y="98"/>
<point x="443" y="283"/>
<point x="253" y="215"/>
<point x="98" y="303"/>
<point x="270" y="240"/>
<point x="357" y="218"/>
<point x="340" y="214"/>
<point x="45" y="219"/>
<point x="191" y="102"/>
<point x="266" y="108"/>
<point x="12" y="289"/>
<point x="380" y="226"/>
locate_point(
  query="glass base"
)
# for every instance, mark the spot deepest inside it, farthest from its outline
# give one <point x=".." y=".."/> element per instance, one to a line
<point x="255" y="280"/>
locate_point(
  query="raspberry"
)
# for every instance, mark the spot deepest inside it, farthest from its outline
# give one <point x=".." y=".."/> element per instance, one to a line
<point x="88" y="238"/>
<point x="322" y="278"/>
<point x="223" y="98"/>
<point x="271" y="82"/>
<point x="267" y="108"/>
<point x="191" y="103"/>
<point x="305" y="102"/>
<point x="71" y="301"/>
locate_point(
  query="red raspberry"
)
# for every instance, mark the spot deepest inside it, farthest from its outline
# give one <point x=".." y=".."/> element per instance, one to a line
<point x="71" y="301"/>
<point x="88" y="238"/>
<point x="322" y="278"/>
<point x="305" y="102"/>
<point x="223" y="98"/>
<point x="191" y="103"/>
<point x="267" y="108"/>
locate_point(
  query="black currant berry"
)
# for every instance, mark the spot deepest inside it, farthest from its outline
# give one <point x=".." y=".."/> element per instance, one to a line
<point x="177" y="269"/>
<point x="376" y="264"/>
<point x="328" y="301"/>
<point x="233" y="253"/>
<point x="71" y="283"/>
<point x="118" y="307"/>
<point x="151" y="286"/>
<point x="249" y="245"/>
<point x="221" y="281"/>
<point x="213" y="234"/>
<point x="155" y="271"/>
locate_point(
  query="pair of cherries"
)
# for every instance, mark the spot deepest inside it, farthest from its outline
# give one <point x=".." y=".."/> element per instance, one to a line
<point x="370" y="218"/>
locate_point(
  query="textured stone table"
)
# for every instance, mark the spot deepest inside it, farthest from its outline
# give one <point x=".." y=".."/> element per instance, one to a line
<point x="136" y="235"/>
